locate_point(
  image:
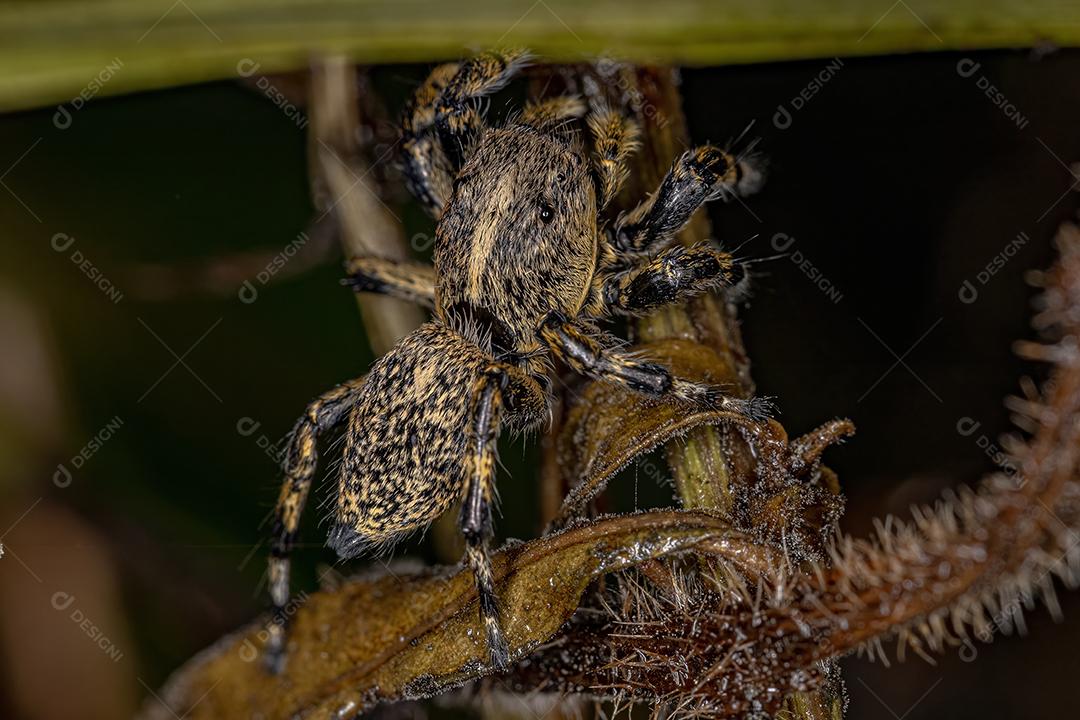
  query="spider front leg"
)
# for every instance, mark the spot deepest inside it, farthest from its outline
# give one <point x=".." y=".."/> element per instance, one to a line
<point x="427" y="170"/>
<point x="676" y="274"/>
<point x="455" y="115"/>
<point x="299" y="464"/>
<point x="404" y="279"/>
<point x="583" y="352"/>
<point x="699" y="175"/>
<point x="442" y="120"/>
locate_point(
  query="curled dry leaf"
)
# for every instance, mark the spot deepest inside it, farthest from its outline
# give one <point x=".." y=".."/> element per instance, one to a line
<point x="788" y="499"/>
<point x="408" y="636"/>
<point x="607" y="427"/>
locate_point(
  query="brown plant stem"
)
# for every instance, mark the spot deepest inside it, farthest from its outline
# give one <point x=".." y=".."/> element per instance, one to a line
<point x="343" y="186"/>
<point x="399" y="635"/>
<point x="709" y="459"/>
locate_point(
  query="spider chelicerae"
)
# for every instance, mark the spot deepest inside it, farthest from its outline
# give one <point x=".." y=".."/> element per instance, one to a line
<point x="523" y="264"/>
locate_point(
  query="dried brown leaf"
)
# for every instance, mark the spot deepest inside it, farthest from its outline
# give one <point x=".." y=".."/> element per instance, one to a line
<point x="607" y="426"/>
<point x="414" y="635"/>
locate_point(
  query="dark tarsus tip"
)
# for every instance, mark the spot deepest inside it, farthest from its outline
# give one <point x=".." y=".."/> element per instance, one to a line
<point x="274" y="660"/>
<point x="498" y="650"/>
<point x="737" y="273"/>
<point x="273" y="655"/>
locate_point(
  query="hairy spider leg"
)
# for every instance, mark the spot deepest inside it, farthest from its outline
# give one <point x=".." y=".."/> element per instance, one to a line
<point x="548" y="114"/>
<point x="582" y="350"/>
<point x="615" y="138"/>
<point x="476" y="510"/>
<point x="404" y="279"/>
<point x="443" y="120"/>
<point x="298" y="465"/>
<point x="675" y="275"/>
<point x="699" y="175"/>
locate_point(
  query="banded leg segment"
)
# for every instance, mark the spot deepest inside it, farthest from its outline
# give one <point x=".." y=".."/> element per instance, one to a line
<point x="428" y="171"/>
<point x="301" y="457"/>
<point x="478" y="76"/>
<point x="407" y="280"/>
<point x="476" y="510"/>
<point x="676" y="274"/>
<point x="546" y="114"/>
<point x="615" y="138"/>
<point x="698" y="176"/>
<point x="457" y="117"/>
<point x="585" y="353"/>
<point x="443" y="120"/>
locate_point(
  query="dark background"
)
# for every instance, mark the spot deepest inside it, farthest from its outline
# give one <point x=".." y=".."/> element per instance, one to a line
<point x="899" y="180"/>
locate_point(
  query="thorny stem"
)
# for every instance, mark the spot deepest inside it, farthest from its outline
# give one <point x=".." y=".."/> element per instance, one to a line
<point x="975" y="561"/>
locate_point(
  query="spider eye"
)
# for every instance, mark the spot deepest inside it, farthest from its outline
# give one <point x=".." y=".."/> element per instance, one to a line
<point x="547" y="213"/>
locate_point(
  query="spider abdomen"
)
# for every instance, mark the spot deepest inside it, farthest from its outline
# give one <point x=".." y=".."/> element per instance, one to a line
<point x="404" y="457"/>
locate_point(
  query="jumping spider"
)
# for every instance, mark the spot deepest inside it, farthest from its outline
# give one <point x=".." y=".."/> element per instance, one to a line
<point x="522" y="264"/>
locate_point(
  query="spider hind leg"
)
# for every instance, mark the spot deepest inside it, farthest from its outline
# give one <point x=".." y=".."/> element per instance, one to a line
<point x="423" y="435"/>
<point x="299" y="465"/>
<point x="476" y="510"/>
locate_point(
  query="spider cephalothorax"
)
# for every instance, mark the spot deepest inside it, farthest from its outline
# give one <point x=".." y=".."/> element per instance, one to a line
<point x="518" y="238"/>
<point x="523" y="265"/>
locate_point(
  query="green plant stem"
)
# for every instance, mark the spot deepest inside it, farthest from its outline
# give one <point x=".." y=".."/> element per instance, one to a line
<point x="50" y="52"/>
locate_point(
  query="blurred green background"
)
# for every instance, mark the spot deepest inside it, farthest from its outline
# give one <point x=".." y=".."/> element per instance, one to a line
<point x="899" y="179"/>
